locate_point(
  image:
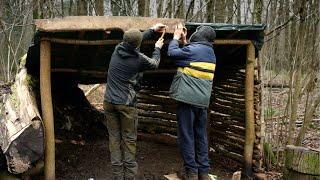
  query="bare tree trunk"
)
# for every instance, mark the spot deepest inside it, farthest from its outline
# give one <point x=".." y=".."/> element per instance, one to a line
<point x="258" y="6"/>
<point x="313" y="100"/>
<point x="170" y="6"/>
<point x="99" y="7"/>
<point x="160" y="7"/>
<point x="210" y="10"/>
<point x="287" y="32"/>
<point x="147" y="8"/>
<point x="36" y="9"/>
<point x="141" y="7"/>
<point x="231" y="12"/>
<point x="190" y="10"/>
<point x="2" y="8"/>
<point x="131" y="8"/>
<point x="220" y="11"/>
<point x="90" y="9"/>
<point x="82" y="7"/>
<point x="70" y="7"/>
<point x="50" y="10"/>
<point x="180" y="9"/>
<point x="310" y="110"/>
<point x="115" y="8"/>
<point x="297" y="71"/>
<point x="62" y="8"/>
<point x="247" y="11"/>
<point x="239" y="11"/>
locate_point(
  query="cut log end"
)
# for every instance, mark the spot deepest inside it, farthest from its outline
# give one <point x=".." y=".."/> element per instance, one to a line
<point x="302" y="161"/>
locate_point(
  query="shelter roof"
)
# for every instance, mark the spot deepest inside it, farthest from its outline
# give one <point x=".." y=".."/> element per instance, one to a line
<point x="93" y="23"/>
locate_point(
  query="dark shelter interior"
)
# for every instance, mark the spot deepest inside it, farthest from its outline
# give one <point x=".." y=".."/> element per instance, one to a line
<point x="74" y="63"/>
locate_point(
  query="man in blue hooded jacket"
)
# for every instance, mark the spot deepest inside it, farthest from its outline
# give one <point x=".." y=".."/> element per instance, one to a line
<point x="191" y="87"/>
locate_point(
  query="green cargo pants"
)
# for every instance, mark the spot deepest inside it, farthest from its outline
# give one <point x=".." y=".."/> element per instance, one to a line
<point x="122" y="122"/>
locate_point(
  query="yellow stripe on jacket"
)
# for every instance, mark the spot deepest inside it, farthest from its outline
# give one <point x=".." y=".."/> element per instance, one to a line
<point x="196" y="73"/>
<point x="204" y="65"/>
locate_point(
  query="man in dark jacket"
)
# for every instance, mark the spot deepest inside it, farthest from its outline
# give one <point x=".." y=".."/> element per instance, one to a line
<point x="120" y="99"/>
<point x="191" y="87"/>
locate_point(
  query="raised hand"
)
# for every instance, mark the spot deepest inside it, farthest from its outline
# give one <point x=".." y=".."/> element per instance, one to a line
<point x="159" y="27"/>
<point x="159" y="43"/>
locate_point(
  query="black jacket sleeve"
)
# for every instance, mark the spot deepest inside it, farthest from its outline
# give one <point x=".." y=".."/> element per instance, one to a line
<point x="150" y="63"/>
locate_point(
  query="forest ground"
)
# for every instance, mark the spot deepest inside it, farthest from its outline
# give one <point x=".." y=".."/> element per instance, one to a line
<point x="92" y="160"/>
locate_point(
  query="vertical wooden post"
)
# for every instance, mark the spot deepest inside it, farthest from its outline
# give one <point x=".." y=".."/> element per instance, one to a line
<point x="47" y="112"/>
<point x="249" y="106"/>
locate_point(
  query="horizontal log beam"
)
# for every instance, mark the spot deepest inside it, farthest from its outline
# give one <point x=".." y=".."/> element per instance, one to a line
<point x="111" y="42"/>
<point x="231" y="155"/>
<point x="216" y="116"/>
<point x="229" y="135"/>
<point x="161" y="115"/>
<point x="157" y="129"/>
<point x="157" y="122"/>
<point x="239" y="147"/>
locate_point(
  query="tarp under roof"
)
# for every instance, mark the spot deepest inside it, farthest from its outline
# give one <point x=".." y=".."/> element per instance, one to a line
<point x="88" y="64"/>
<point x="253" y="32"/>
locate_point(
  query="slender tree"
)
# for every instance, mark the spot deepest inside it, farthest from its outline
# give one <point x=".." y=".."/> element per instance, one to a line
<point x="210" y="10"/>
<point x="220" y="11"/>
<point x="141" y="7"/>
<point x="99" y="7"/>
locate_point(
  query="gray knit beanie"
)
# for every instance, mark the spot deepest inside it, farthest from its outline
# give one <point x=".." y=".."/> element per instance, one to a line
<point x="132" y="37"/>
<point x="203" y="33"/>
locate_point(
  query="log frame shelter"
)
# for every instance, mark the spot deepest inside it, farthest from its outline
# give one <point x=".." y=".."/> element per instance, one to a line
<point x="74" y="24"/>
<point x="50" y="33"/>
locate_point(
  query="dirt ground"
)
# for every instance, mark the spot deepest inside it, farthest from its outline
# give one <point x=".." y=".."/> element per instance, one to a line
<point x="92" y="160"/>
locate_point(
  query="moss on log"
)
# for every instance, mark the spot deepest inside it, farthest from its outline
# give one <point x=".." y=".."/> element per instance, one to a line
<point x="21" y="131"/>
<point x="302" y="163"/>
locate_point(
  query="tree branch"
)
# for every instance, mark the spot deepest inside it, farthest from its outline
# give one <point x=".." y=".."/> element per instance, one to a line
<point x="281" y="26"/>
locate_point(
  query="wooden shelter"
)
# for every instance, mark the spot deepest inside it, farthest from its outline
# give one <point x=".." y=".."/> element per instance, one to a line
<point x="76" y="50"/>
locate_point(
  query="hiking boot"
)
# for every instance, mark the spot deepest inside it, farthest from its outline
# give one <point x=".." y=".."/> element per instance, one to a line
<point x="204" y="176"/>
<point x="189" y="176"/>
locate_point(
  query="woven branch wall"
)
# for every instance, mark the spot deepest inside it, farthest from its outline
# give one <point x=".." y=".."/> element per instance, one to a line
<point x="227" y="116"/>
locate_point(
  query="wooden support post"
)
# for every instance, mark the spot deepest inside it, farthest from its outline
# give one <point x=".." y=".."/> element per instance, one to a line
<point x="249" y="115"/>
<point x="47" y="112"/>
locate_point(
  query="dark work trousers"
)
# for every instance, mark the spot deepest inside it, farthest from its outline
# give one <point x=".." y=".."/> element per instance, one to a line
<point x="192" y="137"/>
<point x="122" y="122"/>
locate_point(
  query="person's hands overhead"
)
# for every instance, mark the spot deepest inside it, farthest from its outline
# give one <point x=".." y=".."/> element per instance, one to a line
<point x="180" y="33"/>
<point x="159" y="43"/>
<point x="177" y="34"/>
<point x="159" y="27"/>
<point x="184" y="36"/>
